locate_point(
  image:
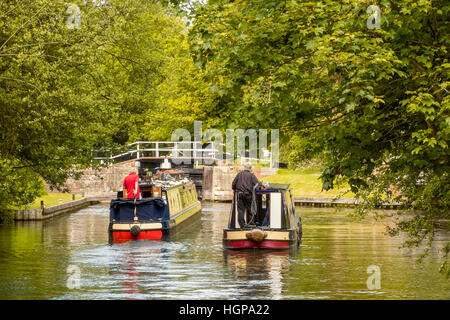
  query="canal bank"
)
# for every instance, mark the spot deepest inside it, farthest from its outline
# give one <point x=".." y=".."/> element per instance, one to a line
<point x="339" y="202"/>
<point x="34" y="214"/>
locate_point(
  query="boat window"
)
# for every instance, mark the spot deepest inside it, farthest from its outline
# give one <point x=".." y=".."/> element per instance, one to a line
<point x="261" y="209"/>
<point x="266" y="210"/>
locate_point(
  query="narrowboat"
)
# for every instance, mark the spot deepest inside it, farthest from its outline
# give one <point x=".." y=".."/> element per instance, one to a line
<point x="273" y="223"/>
<point x="163" y="207"/>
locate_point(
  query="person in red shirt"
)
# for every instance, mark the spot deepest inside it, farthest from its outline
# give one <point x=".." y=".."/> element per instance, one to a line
<point x="131" y="184"/>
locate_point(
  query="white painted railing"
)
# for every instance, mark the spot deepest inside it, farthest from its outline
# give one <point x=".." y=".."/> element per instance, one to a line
<point x="176" y="149"/>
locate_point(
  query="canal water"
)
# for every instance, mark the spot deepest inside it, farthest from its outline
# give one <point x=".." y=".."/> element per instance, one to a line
<point x="69" y="257"/>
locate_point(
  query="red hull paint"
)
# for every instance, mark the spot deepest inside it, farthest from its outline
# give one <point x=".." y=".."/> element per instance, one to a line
<point x="144" y="234"/>
<point x="265" y="244"/>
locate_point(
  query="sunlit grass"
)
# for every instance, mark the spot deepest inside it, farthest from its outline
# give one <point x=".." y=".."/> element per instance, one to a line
<point x="306" y="183"/>
<point x="52" y="199"/>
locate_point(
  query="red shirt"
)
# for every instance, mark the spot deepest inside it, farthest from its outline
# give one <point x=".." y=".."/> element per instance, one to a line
<point x="129" y="184"/>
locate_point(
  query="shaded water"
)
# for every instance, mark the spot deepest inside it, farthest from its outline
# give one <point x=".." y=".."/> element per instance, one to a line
<point x="42" y="260"/>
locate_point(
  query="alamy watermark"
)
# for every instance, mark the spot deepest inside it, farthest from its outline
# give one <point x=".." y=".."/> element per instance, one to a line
<point x="74" y="19"/>
<point x="73" y="11"/>
<point x="374" y="21"/>
<point x="374" y="280"/>
<point x="74" y="278"/>
<point x="211" y="142"/>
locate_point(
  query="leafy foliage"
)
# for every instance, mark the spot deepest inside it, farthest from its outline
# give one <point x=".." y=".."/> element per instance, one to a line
<point x="50" y="119"/>
<point x="71" y="83"/>
<point x="376" y="100"/>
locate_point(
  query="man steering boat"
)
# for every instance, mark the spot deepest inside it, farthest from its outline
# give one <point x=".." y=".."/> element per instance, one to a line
<point x="243" y="184"/>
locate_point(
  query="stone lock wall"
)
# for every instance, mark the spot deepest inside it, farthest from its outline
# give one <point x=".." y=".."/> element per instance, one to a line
<point x="217" y="181"/>
<point x="105" y="182"/>
<point x="102" y="182"/>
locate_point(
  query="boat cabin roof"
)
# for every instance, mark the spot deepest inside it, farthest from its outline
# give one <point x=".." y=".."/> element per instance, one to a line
<point x="274" y="187"/>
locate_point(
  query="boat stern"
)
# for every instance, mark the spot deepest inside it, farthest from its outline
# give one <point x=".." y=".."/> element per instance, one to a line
<point x="246" y="239"/>
<point x="138" y="231"/>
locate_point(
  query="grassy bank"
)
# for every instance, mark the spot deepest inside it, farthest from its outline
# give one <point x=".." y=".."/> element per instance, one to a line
<point x="305" y="183"/>
<point x="52" y="199"/>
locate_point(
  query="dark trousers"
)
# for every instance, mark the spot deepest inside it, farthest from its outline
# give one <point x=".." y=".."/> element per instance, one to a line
<point x="244" y="202"/>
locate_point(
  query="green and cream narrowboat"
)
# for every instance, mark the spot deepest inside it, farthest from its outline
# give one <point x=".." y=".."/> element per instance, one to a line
<point x="164" y="206"/>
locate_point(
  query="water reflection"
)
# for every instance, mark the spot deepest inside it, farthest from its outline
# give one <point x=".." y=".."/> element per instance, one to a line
<point x="139" y="266"/>
<point x="265" y="269"/>
<point x="331" y="262"/>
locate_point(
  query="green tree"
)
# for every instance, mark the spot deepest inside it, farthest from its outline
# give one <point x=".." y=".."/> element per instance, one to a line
<point x="84" y="76"/>
<point x="376" y="99"/>
<point x="146" y="74"/>
<point x="49" y="119"/>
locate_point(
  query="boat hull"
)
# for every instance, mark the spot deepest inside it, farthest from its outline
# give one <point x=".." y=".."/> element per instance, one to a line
<point x="249" y="244"/>
<point x="143" y="235"/>
<point x="275" y="239"/>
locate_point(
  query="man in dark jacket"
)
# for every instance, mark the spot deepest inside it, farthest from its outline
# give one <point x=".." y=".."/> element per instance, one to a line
<point x="243" y="185"/>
